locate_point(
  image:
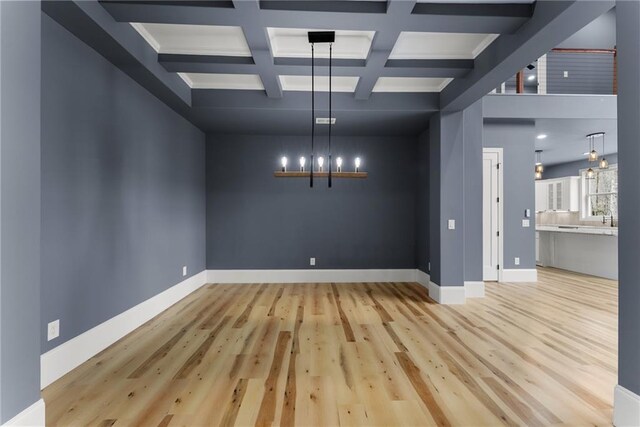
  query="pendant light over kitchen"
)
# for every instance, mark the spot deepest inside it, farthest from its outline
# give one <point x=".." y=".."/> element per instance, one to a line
<point x="539" y="167"/>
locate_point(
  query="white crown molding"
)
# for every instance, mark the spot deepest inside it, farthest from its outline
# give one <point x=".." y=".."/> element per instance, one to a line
<point x="484" y="44"/>
<point x="474" y="289"/>
<point x="146" y="35"/>
<point x="58" y="361"/>
<point x="33" y="416"/>
<point x="310" y="276"/>
<point x="519" y="275"/>
<point x="626" y="408"/>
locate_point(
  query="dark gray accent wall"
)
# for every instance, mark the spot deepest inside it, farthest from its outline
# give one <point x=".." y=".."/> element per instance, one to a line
<point x="629" y="194"/>
<point x="572" y="168"/>
<point x="588" y="73"/>
<point x="472" y="170"/>
<point x="517" y="141"/>
<point x="123" y="189"/>
<point x="19" y="206"/>
<point x="422" y="204"/>
<point x="256" y="221"/>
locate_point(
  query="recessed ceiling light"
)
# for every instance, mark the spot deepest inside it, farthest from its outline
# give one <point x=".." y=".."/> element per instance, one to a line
<point x="531" y="77"/>
<point x="542" y="136"/>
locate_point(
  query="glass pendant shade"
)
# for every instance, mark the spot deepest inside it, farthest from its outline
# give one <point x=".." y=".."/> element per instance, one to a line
<point x="590" y="173"/>
<point x="593" y="156"/>
<point x="539" y="167"/>
<point x="538" y="175"/>
<point x="604" y="163"/>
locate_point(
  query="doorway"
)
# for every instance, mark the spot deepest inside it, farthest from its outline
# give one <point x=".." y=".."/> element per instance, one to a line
<point x="491" y="214"/>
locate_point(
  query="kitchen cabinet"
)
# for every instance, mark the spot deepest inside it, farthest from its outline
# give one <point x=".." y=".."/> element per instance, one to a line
<point x="561" y="194"/>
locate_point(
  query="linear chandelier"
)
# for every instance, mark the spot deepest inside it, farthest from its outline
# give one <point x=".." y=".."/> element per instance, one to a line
<point x="320" y="37"/>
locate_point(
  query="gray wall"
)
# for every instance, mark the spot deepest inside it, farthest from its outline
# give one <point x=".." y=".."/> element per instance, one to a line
<point x="422" y="205"/>
<point x="255" y="221"/>
<point x="472" y="170"/>
<point x="123" y="189"/>
<point x="629" y="193"/>
<point x="561" y="170"/>
<point x="590" y="73"/>
<point x="517" y="141"/>
<point x="599" y="34"/>
<point x="19" y="206"/>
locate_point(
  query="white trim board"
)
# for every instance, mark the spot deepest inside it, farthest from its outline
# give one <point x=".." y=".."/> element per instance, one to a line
<point x="626" y="407"/>
<point x="32" y="416"/>
<point x="60" y="360"/>
<point x="310" y="276"/>
<point x="422" y="278"/>
<point x="519" y="275"/>
<point x="474" y="289"/>
<point x="447" y="294"/>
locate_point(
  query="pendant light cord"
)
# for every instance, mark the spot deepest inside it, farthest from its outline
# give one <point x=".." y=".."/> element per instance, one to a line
<point x="330" y="118"/>
<point x="313" y="114"/>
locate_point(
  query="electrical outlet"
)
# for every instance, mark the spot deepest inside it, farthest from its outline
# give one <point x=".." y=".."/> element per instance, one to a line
<point x="312" y="261"/>
<point x="429" y="266"/>
<point x="53" y="330"/>
<point x="565" y="74"/>
<point x="516" y="261"/>
<point x="184" y="271"/>
<point x="526" y="223"/>
<point x="452" y="224"/>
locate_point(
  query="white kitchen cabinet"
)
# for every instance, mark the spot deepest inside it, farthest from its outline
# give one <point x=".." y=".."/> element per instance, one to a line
<point x="561" y="194"/>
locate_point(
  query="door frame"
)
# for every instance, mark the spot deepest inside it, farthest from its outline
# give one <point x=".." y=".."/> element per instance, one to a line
<point x="499" y="152"/>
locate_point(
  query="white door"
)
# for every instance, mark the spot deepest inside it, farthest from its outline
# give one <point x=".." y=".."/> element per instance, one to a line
<point x="490" y="214"/>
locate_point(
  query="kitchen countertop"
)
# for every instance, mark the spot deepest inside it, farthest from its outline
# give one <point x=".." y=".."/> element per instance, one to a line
<point x="579" y="229"/>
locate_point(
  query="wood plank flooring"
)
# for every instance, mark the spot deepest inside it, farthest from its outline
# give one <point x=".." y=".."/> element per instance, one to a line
<point x="358" y="354"/>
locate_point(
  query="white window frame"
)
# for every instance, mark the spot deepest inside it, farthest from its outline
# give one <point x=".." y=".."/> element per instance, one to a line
<point x="585" y="208"/>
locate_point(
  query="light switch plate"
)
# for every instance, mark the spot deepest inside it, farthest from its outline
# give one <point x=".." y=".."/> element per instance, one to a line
<point x="565" y="74"/>
<point x="53" y="330"/>
<point x="527" y="213"/>
<point x="526" y="223"/>
<point x="516" y="261"/>
<point x="452" y="224"/>
<point x="184" y="271"/>
<point x="312" y="261"/>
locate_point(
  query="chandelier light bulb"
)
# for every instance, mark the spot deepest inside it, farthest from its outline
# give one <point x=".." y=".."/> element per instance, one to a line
<point x="538" y="175"/>
<point x="320" y="162"/>
<point x="283" y="161"/>
<point x="357" y="162"/>
<point x="303" y="160"/>
<point x="339" y="164"/>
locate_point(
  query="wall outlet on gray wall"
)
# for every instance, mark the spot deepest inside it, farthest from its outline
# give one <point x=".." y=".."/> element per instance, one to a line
<point x="516" y="261"/>
<point x="184" y="271"/>
<point x="312" y="261"/>
<point x="53" y="330"/>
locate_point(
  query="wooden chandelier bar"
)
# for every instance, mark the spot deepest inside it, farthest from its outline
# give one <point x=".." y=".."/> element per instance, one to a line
<point x="305" y="174"/>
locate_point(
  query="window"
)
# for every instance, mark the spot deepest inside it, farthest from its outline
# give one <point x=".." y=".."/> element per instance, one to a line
<point x="600" y="194"/>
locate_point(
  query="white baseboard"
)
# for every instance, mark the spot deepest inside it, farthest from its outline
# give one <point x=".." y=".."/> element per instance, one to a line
<point x="447" y="294"/>
<point x="310" y="276"/>
<point x="474" y="289"/>
<point x="423" y="278"/>
<point x="32" y="416"/>
<point x="520" y="275"/>
<point x="58" y="361"/>
<point x="626" y="408"/>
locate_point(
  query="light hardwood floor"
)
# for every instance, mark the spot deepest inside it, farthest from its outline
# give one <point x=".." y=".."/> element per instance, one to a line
<point x="358" y="354"/>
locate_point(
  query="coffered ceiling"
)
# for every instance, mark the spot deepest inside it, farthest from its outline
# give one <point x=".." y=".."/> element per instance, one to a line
<point x="218" y="60"/>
